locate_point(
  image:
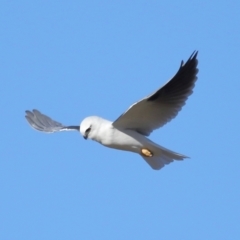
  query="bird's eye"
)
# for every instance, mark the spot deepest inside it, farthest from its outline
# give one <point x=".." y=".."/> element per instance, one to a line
<point x="87" y="132"/>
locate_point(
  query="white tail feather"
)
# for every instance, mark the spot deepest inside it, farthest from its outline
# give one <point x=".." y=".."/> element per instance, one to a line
<point x="162" y="156"/>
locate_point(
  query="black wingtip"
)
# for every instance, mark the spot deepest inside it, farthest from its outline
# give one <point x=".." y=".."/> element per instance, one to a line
<point x="192" y="57"/>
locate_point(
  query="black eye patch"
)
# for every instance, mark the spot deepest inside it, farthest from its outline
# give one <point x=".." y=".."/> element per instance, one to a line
<point x="87" y="131"/>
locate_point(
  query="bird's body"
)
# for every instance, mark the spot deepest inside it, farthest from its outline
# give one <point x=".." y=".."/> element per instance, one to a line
<point x="129" y="132"/>
<point x="103" y="132"/>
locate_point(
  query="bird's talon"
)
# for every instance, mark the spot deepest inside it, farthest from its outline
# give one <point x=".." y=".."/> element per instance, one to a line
<point x="146" y="153"/>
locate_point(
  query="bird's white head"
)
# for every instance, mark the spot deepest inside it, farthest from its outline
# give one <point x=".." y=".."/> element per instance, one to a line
<point x="89" y="127"/>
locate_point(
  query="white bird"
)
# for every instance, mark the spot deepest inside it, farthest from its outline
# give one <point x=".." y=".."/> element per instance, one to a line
<point x="129" y="131"/>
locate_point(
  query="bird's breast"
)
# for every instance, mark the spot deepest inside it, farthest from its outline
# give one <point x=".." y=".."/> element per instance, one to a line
<point x="127" y="140"/>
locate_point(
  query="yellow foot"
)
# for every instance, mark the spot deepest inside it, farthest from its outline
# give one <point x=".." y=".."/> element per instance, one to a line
<point x="146" y="153"/>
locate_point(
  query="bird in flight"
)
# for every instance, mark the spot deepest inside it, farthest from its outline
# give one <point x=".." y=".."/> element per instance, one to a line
<point x="129" y="132"/>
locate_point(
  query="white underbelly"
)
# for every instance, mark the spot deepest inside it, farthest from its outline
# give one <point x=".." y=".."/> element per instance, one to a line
<point x="127" y="140"/>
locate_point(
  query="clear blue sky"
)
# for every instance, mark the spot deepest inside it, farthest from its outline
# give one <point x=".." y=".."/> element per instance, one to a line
<point x="72" y="59"/>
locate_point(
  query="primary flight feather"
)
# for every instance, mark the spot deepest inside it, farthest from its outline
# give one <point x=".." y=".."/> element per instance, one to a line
<point x="129" y="131"/>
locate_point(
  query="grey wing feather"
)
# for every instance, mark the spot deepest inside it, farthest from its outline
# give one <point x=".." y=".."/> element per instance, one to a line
<point x="43" y="123"/>
<point x="159" y="108"/>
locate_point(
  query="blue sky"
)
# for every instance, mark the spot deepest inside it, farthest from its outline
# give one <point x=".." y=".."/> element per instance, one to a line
<point x="72" y="59"/>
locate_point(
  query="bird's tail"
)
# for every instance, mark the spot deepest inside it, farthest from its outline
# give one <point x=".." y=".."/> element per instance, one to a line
<point x="162" y="156"/>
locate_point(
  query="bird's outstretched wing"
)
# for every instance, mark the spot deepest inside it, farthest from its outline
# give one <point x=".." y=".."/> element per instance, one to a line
<point x="44" y="123"/>
<point x="162" y="106"/>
